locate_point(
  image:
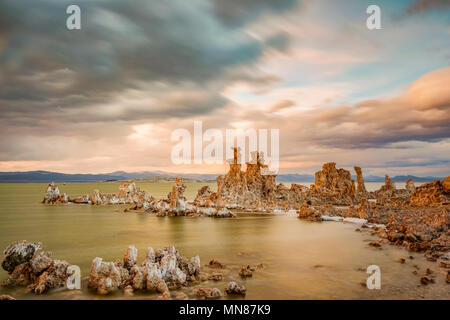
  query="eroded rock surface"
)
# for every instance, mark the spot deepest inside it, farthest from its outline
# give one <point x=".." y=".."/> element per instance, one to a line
<point x="233" y="288"/>
<point x="53" y="196"/>
<point x="128" y="194"/>
<point x="431" y="194"/>
<point x="27" y="266"/>
<point x="160" y="271"/>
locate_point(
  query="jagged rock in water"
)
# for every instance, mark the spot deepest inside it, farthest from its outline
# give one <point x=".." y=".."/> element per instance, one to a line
<point x="216" y="264"/>
<point x="309" y="213"/>
<point x="215" y="276"/>
<point x="164" y="268"/>
<point x="177" y="199"/>
<point x="128" y="194"/>
<point x="54" y="277"/>
<point x="246" y="271"/>
<point x="181" y="296"/>
<point x="105" y="277"/>
<point x="250" y="188"/>
<point x="208" y="293"/>
<point x="96" y="197"/>
<point x="84" y="199"/>
<point x="130" y="258"/>
<point x="360" y="180"/>
<point x="334" y="185"/>
<point x="18" y="253"/>
<point x="37" y="270"/>
<point x="21" y="276"/>
<point x="175" y="204"/>
<point x="52" y="195"/>
<point x="205" y="197"/>
<point x="139" y="277"/>
<point x="431" y="194"/>
<point x="232" y="288"/>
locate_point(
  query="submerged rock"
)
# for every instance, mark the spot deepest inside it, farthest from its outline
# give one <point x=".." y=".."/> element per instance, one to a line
<point x="232" y="288"/>
<point x="216" y="264"/>
<point x="246" y="271"/>
<point x="208" y="293"/>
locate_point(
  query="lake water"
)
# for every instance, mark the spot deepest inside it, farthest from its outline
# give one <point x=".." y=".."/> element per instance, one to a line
<point x="302" y="260"/>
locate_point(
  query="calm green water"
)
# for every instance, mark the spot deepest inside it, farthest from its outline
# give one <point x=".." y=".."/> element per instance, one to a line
<point x="290" y="249"/>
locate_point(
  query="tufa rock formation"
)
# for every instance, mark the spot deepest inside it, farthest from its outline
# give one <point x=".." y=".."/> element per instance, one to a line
<point x="431" y="194"/>
<point x="32" y="268"/>
<point x="53" y="196"/>
<point x="161" y="270"/>
<point x="361" y="189"/>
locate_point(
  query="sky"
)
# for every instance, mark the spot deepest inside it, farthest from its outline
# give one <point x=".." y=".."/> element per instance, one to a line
<point x="109" y="96"/>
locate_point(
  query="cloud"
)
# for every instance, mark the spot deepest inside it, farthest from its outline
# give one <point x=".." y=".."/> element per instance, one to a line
<point x="238" y="12"/>
<point x="282" y="105"/>
<point x="419" y="6"/>
<point x="179" y="45"/>
<point x="421" y="113"/>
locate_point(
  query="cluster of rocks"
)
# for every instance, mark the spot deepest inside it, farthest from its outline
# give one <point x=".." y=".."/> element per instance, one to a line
<point x="52" y="195"/>
<point x="255" y="189"/>
<point x="30" y="267"/>
<point x="175" y="204"/>
<point x="161" y="270"/>
<point x="128" y="194"/>
<point x="231" y="288"/>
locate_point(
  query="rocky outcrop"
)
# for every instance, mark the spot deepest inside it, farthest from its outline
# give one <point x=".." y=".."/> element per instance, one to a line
<point x="177" y="199"/>
<point x="232" y="288"/>
<point x="32" y="268"/>
<point x="53" y="196"/>
<point x="431" y="194"/>
<point x="361" y="188"/>
<point x="333" y="185"/>
<point x="208" y="293"/>
<point x="128" y="194"/>
<point x="18" y="253"/>
<point x="160" y="271"/>
<point x="175" y="204"/>
<point x="310" y="213"/>
<point x="254" y="187"/>
<point x="106" y="277"/>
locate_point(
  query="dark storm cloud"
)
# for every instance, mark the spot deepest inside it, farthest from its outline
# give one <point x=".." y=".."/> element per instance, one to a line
<point x="240" y="12"/>
<point x="426" y="5"/>
<point x="182" y="44"/>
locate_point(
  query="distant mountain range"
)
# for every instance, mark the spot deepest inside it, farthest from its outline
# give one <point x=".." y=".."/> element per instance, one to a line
<point x="46" y="176"/>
